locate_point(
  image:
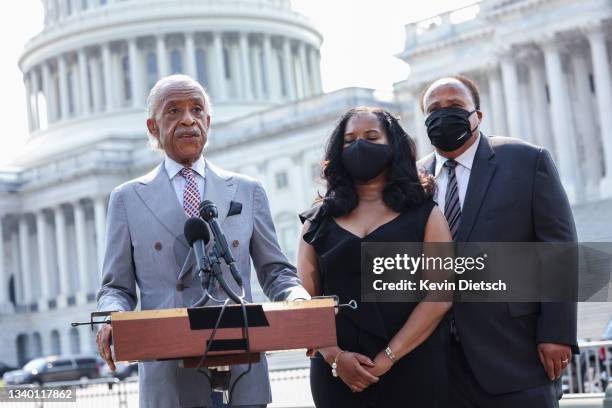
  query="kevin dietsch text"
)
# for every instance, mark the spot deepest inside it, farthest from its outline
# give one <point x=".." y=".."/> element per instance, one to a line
<point x="446" y="285"/>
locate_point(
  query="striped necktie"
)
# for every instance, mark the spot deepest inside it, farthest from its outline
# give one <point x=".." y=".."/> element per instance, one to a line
<point x="452" y="205"/>
<point x="191" y="193"/>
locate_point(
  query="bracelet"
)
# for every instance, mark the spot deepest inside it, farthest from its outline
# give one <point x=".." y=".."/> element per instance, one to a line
<point x="334" y="365"/>
<point x="390" y="354"/>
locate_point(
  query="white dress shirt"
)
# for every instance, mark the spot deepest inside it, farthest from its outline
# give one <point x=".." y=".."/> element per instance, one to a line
<point x="462" y="171"/>
<point x="178" y="181"/>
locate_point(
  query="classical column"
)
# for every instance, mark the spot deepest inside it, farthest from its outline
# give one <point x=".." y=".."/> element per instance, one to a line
<point x="420" y="133"/>
<point x="190" y="57"/>
<point x="219" y="71"/>
<point x="62" y="75"/>
<point x="62" y="255"/>
<point x="81" y="252"/>
<point x="272" y="88"/>
<point x="162" y="56"/>
<point x="96" y="84"/>
<point x="83" y="83"/>
<point x="35" y="90"/>
<point x="135" y="73"/>
<point x="539" y="108"/>
<point x="107" y="71"/>
<point x="497" y="102"/>
<point x="560" y="109"/>
<point x="288" y="69"/>
<point x="28" y="86"/>
<point x="512" y="94"/>
<point x="100" y="222"/>
<point x="315" y="71"/>
<point x="4" y="278"/>
<point x="586" y="123"/>
<point x="245" y="73"/>
<point x="24" y="248"/>
<point x="306" y="90"/>
<point x="603" y="90"/>
<point x="47" y="86"/>
<point x="42" y="235"/>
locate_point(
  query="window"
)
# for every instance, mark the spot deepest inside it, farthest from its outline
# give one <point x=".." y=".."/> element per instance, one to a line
<point x="84" y="5"/>
<point x="60" y="363"/>
<point x="75" y="346"/>
<point x="56" y="347"/>
<point x="201" y="66"/>
<point x="68" y="7"/>
<point x="283" y="80"/>
<point x="226" y="63"/>
<point x="71" y="92"/>
<point x="103" y="2"/>
<point x="152" y="72"/>
<point x="281" y="180"/>
<point x="176" y="64"/>
<point x="127" y="84"/>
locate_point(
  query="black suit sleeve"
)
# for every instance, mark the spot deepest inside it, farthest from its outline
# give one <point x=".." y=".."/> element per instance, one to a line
<point x="553" y="222"/>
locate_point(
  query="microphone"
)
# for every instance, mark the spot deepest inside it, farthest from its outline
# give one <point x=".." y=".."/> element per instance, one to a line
<point x="208" y="211"/>
<point x="198" y="236"/>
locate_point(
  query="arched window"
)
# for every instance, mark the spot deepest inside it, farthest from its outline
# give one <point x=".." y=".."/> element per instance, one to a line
<point x="176" y="63"/>
<point x="127" y="83"/>
<point x="37" y="350"/>
<point x="152" y="71"/>
<point x="201" y="66"/>
<point x="22" y="349"/>
<point x="70" y="82"/>
<point x="283" y="80"/>
<point x="56" y="346"/>
<point x="226" y="63"/>
<point x="75" y="345"/>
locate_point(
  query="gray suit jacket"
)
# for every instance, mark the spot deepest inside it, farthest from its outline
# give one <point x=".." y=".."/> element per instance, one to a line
<point x="514" y="195"/>
<point x="146" y="248"/>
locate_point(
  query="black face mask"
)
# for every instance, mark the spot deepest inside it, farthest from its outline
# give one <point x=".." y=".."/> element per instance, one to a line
<point x="365" y="160"/>
<point x="449" y="128"/>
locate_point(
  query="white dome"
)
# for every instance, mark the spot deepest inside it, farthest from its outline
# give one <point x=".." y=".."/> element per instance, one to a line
<point x="88" y="72"/>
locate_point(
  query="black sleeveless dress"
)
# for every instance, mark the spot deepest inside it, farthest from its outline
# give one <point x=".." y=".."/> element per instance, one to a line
<point x="417" y="380"/>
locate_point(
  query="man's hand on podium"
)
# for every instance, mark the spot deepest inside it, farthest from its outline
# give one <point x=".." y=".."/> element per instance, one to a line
<point x="103" y="339"/>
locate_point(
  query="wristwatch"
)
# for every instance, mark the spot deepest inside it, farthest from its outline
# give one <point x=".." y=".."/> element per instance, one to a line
<point x="390" y="354"/>
<point x="334" y="365"/>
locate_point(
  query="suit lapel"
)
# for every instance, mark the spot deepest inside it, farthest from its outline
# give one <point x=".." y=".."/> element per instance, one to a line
<point x="481" y="174"/>
<point x="159" y="196"/>
<point x="220" y="189"/>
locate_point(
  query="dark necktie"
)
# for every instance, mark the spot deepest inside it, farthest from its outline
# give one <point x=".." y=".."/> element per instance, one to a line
<point x="452" y="206"/>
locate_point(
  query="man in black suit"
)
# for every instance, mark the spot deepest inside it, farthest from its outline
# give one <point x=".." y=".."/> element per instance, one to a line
<point x="498" y="189"/>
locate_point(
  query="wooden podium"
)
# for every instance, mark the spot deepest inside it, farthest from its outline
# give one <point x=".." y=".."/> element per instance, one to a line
<point x="169" y="334"/>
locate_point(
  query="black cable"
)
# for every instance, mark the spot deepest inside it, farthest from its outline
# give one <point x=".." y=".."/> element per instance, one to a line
<point x="245" y="334"/>
<point x="209" y="342"/>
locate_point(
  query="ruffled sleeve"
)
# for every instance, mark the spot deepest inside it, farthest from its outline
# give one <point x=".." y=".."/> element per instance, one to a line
<point x="317" y="217"/>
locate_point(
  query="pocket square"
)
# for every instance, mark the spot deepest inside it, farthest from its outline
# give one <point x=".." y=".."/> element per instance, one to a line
<point x="235" y="208"/>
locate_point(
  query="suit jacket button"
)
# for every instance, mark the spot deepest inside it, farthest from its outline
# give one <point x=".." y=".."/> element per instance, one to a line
<point x="180" y="287"/>
<point x="158" y="246"/>
<point x="235" y="243"/>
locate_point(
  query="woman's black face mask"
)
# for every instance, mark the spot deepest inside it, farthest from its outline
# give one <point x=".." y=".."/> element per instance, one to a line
<point x="449" y="128"/>
<point x="365" y="160"/>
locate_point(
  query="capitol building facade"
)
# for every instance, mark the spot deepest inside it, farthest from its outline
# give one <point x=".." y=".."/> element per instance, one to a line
<point x="88" y="72"/>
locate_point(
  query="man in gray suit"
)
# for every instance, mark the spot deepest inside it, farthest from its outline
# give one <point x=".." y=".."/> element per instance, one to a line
<point x="498" y="189"/>
<point x="146" y="246"/>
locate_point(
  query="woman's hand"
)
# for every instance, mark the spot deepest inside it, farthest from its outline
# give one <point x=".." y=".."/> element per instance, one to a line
<point x="382" y="364"/>
<point x="353" y="369"/>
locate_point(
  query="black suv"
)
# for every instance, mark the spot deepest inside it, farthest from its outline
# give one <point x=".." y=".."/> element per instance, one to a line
<point x="54" y="369"/>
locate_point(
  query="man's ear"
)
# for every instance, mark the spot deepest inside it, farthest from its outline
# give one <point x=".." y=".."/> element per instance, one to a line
<point x="208" y="118"/>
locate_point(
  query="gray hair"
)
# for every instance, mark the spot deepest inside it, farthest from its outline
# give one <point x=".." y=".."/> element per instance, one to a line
<point x="154" y="98"/>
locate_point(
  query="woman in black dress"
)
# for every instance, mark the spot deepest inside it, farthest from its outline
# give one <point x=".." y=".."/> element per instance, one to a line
<point x="388" y="354"/>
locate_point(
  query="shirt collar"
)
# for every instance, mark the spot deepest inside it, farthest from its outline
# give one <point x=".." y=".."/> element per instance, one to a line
<point x="466" y="159"/>
<point x="172" y="167"/>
